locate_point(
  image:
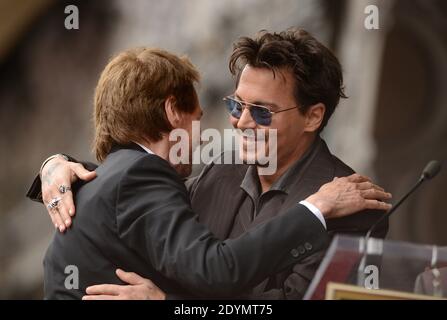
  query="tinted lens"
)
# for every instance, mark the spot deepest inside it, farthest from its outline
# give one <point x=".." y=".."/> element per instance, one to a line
<point x="234" y="108"/>
<point x="262" y="116"/>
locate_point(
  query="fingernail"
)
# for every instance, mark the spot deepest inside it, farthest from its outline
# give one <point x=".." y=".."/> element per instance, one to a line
<point x="55" y="225"/>
<point x="61" y="228"/>
<point x="70" y="212"/>
<point x="67" y="222"/>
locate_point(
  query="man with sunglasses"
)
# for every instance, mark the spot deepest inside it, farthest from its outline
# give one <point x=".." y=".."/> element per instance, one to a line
<point x="288" y="82"/>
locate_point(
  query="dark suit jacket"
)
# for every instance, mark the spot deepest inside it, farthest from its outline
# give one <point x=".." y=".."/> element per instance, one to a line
<point x="216" y="196"/>
<point x="136" y="215"/>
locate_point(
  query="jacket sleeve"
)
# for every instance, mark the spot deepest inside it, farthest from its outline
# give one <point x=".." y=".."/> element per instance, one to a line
<point x="154" y="217"/>
<point x="35" y="190"/>
<point x="295" y="284"/>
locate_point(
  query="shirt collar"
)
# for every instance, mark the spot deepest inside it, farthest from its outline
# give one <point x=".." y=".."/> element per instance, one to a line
<point x="251" y="185"/>
<point x="145" y="148"/>
<point x="286" y="180"/>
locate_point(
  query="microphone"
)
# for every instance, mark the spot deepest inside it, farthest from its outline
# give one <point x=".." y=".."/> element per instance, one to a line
<point x="430" y="171"/>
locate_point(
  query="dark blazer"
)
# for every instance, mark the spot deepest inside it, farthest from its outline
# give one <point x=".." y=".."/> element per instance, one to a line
<point x="218" y="186"/>
<point x="136" y="215"/>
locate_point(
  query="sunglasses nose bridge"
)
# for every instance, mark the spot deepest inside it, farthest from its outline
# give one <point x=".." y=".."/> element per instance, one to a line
<point x="256" y="115"/>
<point x="246" y="119"/>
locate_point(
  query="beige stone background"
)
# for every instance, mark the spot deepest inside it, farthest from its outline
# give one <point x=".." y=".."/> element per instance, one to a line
<point x="393" y="123"/>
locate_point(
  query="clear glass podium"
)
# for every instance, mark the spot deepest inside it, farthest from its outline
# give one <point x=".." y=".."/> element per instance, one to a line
<point x="380" y="269"/>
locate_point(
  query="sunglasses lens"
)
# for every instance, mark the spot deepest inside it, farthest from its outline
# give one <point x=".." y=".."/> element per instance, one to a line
<point x="262" y="116"/>
<point x="234" y="108"/>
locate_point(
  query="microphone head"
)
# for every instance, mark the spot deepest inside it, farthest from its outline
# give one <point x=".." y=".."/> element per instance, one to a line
<point x="431" y="169"/>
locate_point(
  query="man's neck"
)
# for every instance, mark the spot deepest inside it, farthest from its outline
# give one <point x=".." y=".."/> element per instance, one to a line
<point x="284" y="164"/>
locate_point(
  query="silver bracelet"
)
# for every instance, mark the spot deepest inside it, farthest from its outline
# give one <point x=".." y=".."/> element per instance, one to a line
<point x="51" y="158"/>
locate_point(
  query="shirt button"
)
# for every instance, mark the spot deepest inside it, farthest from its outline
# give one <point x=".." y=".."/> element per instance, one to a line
<point x="301" y="249"/>
<point x="294" y="253"/>
<point x="308" y="246"/>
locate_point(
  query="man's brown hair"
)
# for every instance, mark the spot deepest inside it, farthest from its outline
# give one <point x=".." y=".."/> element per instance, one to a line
<point x="131" y="94"/>
<point x="317" y="72"/>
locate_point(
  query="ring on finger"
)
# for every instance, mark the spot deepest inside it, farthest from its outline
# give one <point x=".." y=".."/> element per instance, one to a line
<point x="54" y="203"/>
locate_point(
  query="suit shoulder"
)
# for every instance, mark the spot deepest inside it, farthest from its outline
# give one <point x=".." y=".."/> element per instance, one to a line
<point x="341" y="168"/>
<point x="129" y="163"/>
<point x="326" y="158"/>
<point x="153" y="165"/>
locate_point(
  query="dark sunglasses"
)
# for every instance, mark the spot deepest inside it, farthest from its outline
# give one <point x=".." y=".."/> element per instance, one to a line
<point x="260" y="114"/>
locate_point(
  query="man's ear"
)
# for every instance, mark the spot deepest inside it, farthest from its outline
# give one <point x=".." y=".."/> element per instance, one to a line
<point x="314" y="117"/>
<point x="172" y="113"/>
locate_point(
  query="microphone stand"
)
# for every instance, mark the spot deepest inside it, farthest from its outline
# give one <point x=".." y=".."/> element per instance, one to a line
<point x="362" y="265"/>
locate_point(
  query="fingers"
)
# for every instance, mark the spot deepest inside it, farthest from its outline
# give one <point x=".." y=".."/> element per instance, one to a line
<point x="57" y="219"/>
<point x="54" y="214"/>
<point x="368" y="185"/>
<point x="375" y="194"/>
<point x="54" y="176"/>
<point x="66" y="206"/>
<point x="357" y="178"/>
<point x="101" y="297"/>
<point x="53" y="219"/>
<point x="377" y="205"/>
<point x="140" y="288"/>
<point x="79" y="171"/>
<point x="104" y="289"/>
<point x="130" y="277"/>
<point x="59" y="215"/>
<point x="67" y="199"/>
<point x="63" y="213"/>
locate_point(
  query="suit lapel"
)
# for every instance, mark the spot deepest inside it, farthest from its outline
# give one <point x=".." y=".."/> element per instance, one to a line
<point x="221" y="225"/>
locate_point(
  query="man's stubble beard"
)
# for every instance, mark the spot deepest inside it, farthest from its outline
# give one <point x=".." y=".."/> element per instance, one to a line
<point x="247" y="156"/>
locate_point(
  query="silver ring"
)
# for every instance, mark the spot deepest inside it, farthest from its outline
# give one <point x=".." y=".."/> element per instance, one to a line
<point x="63" y="189"/>
<point x="54" y="203"/>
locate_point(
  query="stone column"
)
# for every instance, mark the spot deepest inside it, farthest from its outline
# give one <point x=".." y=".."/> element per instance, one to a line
<point x="350" y="131"/>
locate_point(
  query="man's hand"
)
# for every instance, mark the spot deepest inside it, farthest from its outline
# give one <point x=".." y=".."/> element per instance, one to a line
<point x="56" y="173"/>
<point x="139" y="288"/>
<point x="348" y="195"/>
